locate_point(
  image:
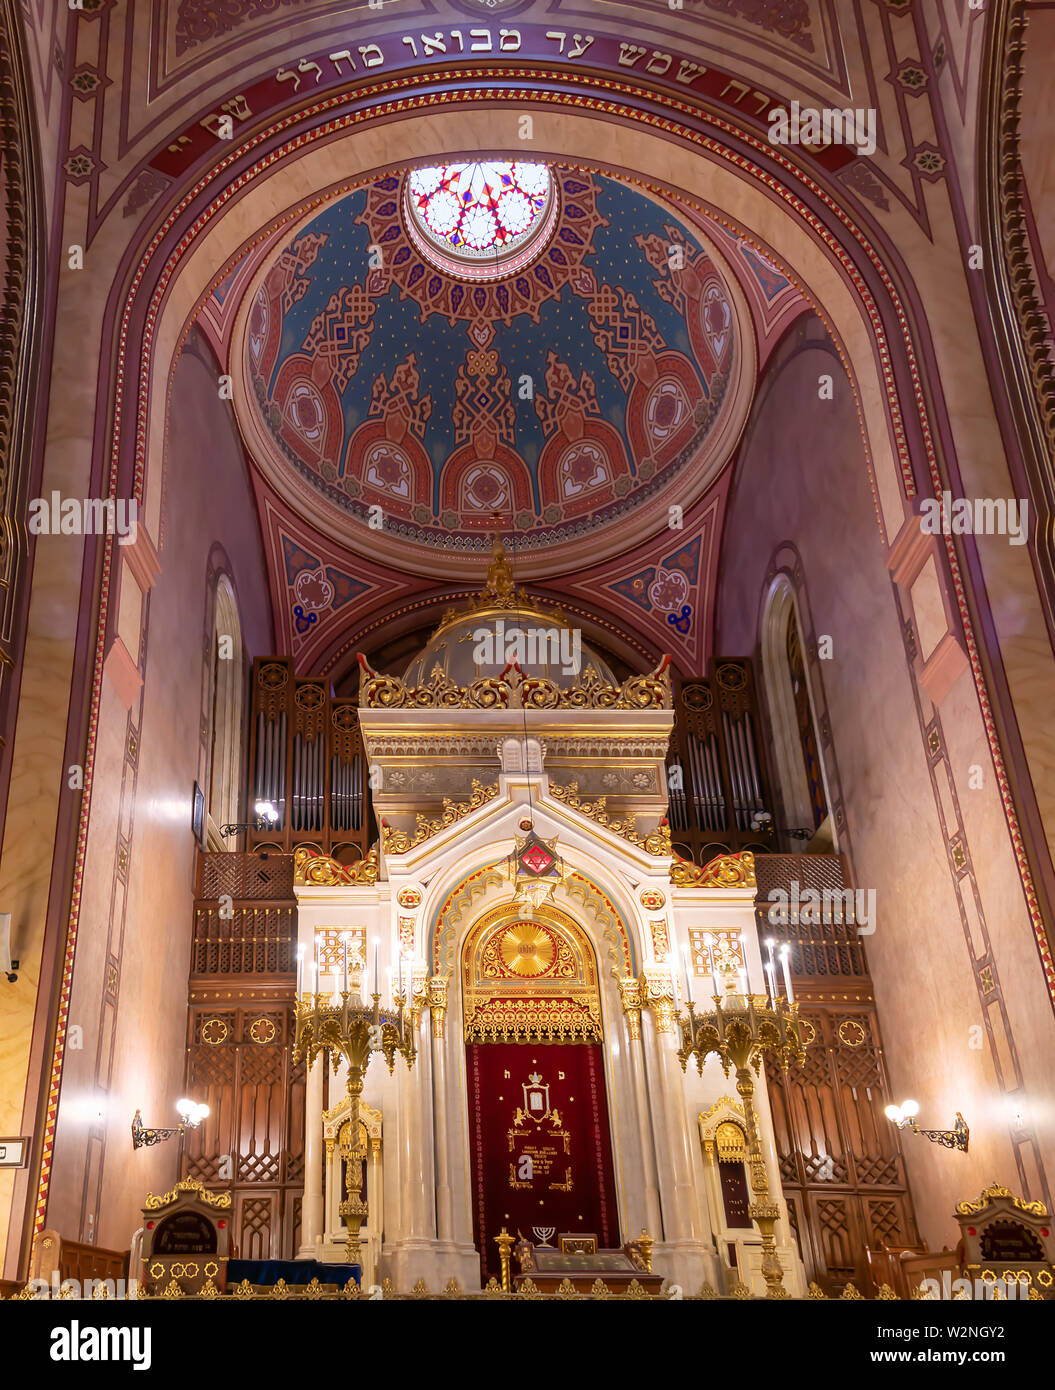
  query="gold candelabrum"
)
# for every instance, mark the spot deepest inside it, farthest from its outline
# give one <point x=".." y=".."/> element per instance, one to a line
<point x="352" y="1030"/>
<point x="740" y="1029"/>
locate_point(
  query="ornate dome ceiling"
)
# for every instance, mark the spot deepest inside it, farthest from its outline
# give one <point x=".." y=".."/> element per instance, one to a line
<point x="580" y="373"/>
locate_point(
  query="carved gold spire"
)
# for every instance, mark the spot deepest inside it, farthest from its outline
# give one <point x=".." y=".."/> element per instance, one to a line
<point x="499" y="583"/>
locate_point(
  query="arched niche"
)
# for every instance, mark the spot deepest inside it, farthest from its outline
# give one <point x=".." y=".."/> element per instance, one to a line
<point x="541" y="1151"/>
<point x="546" y="959"/>
<point x="336" y="1133"/>
<point x="723" y="1137"/>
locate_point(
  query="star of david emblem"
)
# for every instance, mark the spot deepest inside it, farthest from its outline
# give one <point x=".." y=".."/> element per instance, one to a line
<point x="535" y="856"/>
<point x="536" y="859"/>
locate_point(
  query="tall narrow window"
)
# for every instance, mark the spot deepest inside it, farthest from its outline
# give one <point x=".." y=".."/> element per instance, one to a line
<point x="811" y="757"/>
<point x="225" y="714"/>
<point x="796" y="745"/>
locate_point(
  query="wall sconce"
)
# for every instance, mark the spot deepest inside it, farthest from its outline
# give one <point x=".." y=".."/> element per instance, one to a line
<point x="266" y="815"/>
<point x="904" y="1116"/>
<point x="190" y="1113"/>
<point x="762" y="824"/>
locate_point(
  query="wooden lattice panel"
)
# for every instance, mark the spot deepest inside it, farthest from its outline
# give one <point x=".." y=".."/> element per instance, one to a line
<point x="256" y="877"/>
<point x="243" y="941"/>
<point x="840" y="1160"/>
<point x="254" y="1135"/>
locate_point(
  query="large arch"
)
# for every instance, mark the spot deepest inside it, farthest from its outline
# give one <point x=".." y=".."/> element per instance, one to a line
<point x="753" y="198"/>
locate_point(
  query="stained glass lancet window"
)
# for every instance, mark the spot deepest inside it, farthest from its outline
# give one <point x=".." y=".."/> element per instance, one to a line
<point x="474" y="219"/>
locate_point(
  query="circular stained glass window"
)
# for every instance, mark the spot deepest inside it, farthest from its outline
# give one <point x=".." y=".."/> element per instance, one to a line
<point x="480" y="220"/>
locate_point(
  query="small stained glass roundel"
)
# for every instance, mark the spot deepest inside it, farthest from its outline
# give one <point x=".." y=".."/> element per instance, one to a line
<point x="479" y="221"/>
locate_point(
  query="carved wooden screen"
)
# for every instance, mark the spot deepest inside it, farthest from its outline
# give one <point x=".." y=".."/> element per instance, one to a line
<point x="306" y="757"/>
<point x="841" y="1164"/>
<point x="239" y="1057"/>
<point x="716" y="771"/>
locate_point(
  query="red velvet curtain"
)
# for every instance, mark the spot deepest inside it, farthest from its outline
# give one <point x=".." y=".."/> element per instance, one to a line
<point x="541" y="1153"/>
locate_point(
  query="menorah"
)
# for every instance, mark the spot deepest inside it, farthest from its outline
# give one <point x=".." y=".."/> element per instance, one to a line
<point x="740" y="1030"/>
<point x="351" y="1030"/>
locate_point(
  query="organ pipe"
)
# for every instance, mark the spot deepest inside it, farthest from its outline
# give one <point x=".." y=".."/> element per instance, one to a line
<point x="723" y="759"/>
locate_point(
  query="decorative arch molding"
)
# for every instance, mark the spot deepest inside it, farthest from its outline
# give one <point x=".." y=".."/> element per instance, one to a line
<point x="599" y="629"/>
<point x="598" y="906"/>
<point x="335" y="1121"/>
<point x="723" y="1137"/>
<point x="150" y="308"/>
<point x="725" y="1110"/>
<point x="483" y="888"/>
<point x="1025" y="351"/>
<point x="710" y="148"/>
<point x="22" y="286"/>
<point x="444" y="926"/>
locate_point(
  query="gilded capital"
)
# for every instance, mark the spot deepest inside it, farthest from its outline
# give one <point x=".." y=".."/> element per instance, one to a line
<point x="630" y="993"/>
<point x="437" y="1002"/>
<point x="657" y="994"/>
<point x="418" y="997"/>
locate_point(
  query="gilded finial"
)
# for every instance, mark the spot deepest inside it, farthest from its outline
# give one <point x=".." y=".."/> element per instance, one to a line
<point x="499" y="583"/>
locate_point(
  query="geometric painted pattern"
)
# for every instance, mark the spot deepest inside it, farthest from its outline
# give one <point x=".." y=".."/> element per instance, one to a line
<point x="319" y="590"/>
<point x="316" y="587"/>
<point x="665" y="589"/>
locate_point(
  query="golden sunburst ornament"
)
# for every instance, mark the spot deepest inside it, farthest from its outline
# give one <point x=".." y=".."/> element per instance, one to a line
<point x="527" y="949"/>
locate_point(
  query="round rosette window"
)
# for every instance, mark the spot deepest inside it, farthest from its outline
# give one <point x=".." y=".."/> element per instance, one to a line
<point x="480" y="221"/>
